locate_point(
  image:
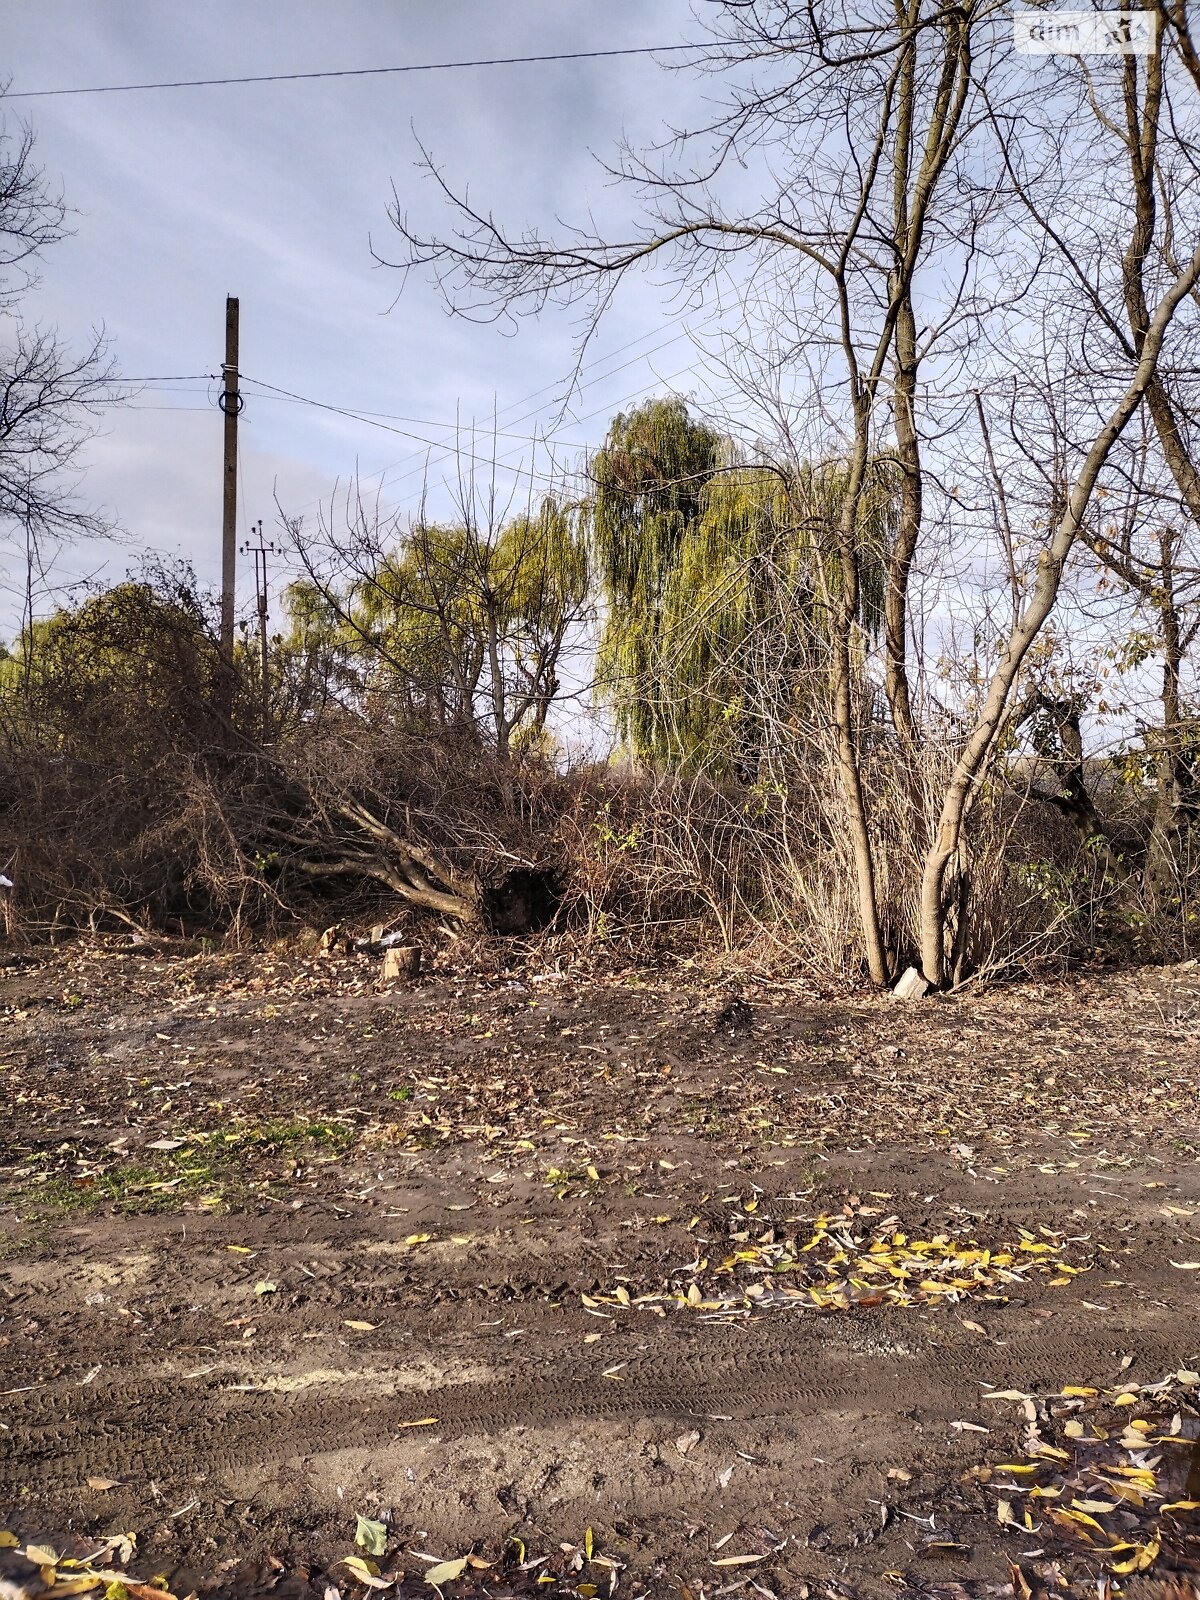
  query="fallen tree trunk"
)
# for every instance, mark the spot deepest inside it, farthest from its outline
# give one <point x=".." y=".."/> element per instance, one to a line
<point x="400" y="864"/>
<point x="520" y="897"/>
<point x="367" y="866"/>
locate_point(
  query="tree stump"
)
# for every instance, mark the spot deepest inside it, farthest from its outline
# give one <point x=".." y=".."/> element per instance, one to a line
<point x="401" y="961"/>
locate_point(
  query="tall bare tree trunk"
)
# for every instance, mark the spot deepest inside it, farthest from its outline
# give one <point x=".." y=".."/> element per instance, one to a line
<point x="850" y="772"/>
<point x="900" y="557"/>
<point x="1174" y="779"/>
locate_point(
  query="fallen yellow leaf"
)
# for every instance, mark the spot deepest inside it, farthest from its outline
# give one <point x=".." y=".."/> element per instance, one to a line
<point x="446" y="1571"/>
<point x="1144" y="1555"/>
<point x="1077" y="1523"/>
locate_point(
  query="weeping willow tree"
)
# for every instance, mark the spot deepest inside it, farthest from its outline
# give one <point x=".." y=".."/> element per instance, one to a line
<point x="648" y="487"/>
<point x="419" y="614"/>
<point x="717" y="576"/>
<point x="459" y="626"/>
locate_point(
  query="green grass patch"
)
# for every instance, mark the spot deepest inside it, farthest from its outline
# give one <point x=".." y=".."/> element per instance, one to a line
<point x="281" y="1134"/>
<point x="216" y="1168"/>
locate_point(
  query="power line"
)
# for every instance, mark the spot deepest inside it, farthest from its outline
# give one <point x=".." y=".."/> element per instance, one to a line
<point x="349" y="72"/>
<point x="515" y="405"/>
<point x="503" y="460"/>
<point x="551" y="437"/>
<point x="604" y="377"/>
<point x="371" y="418"/>
<point x="447" y="452"/>
<point x="186" y="377"/>
<point x="360" y="413"/>
<point x="357" y="416"/>
<point x="443" y="450"/>
<point x="557" y="384"/>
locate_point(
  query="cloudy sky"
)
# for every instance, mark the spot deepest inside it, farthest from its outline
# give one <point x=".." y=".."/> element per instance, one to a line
<point x="275" y="192"/>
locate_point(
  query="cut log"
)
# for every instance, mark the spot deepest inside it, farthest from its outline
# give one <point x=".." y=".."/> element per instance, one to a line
<point x="401" y="961"/>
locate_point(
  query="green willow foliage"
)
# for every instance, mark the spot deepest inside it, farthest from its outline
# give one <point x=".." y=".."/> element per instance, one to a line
<point x="454" y="627"/>
<point x="717" y="575"/>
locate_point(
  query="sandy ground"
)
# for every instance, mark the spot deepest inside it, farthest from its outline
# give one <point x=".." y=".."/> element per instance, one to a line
<point x="629" y="1283"/>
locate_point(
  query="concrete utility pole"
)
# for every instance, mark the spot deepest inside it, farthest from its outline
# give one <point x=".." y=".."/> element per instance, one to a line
<point x="260" y="552"/>
<point x="231" y="404"/>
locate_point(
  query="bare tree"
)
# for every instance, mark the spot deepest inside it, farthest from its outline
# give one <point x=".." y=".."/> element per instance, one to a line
<point x="1136" y="318"/>
<point x="1153" y="560"/>
<point x="49" y="395"/>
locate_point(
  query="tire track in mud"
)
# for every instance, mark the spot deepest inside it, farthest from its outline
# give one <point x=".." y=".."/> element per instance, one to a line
<point x="782" y="1369"/>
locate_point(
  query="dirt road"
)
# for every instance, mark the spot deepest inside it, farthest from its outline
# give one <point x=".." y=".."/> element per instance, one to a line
<point x="612" y="1281"/>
